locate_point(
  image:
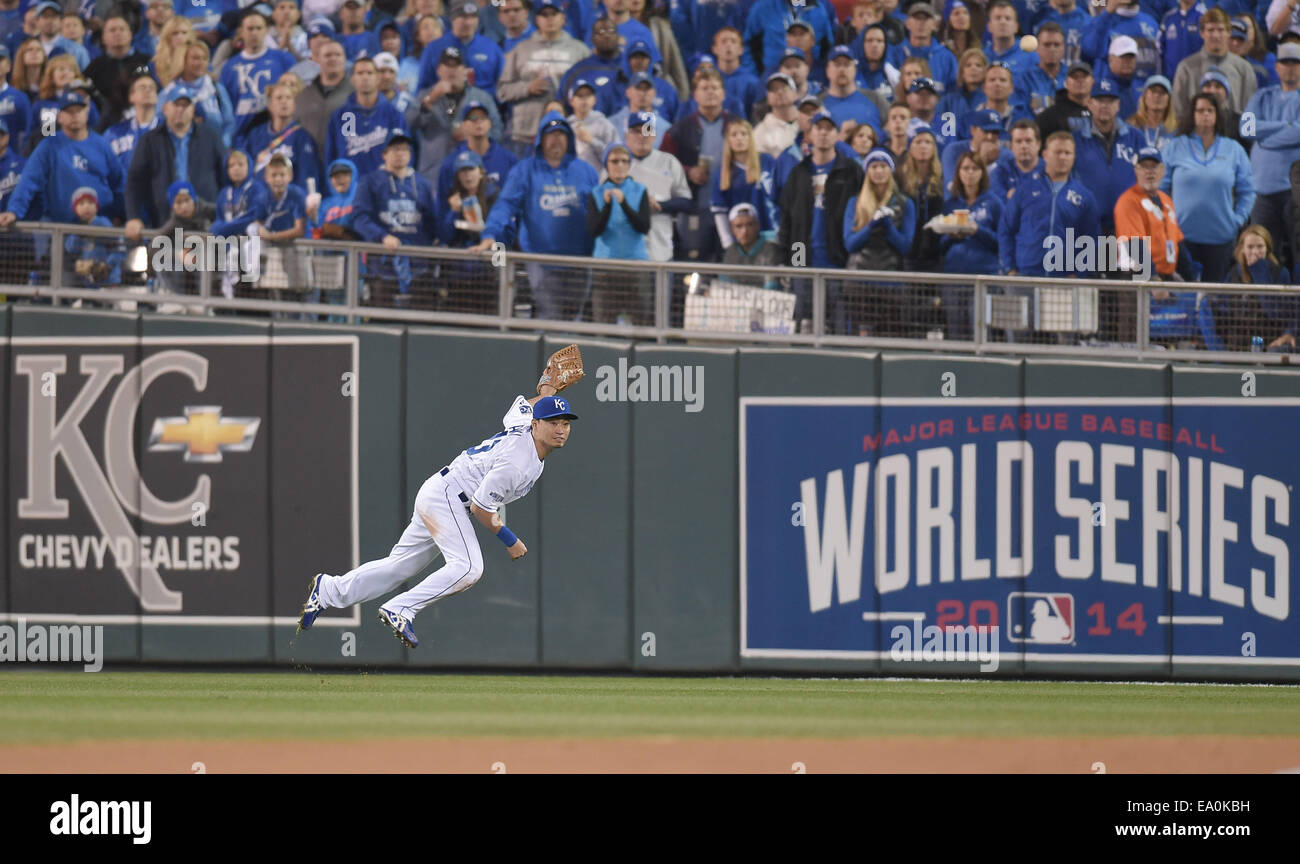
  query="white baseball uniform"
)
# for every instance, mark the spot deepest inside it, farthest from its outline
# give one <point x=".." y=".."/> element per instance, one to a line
<point x="500" y="470"/>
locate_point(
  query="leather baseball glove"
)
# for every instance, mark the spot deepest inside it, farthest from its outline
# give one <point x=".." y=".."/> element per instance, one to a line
<point x="563" y="369"/>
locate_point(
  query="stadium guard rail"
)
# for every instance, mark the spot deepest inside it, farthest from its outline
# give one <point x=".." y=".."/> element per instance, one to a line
<point x="1071" y="296"/>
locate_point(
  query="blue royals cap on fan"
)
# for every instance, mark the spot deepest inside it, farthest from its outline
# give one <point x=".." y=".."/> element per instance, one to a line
<point x="176" y="90"/>
<point x="923" y="83"/>
<point x="467" y="159"/>
<point x="74" y="98"/>
<point x="639" y="78"/>
<point x="641" y="119"/>
<point x="985" y="119"/>
<point x="792" y="51"/>
<point x="1215" y="75"/>
<point x="1104" y="88"/>
<point x="841" y="51"/>
<point x="48" y="4"/>
<point x="579" y="84"/>
<point x="551" y="407"/>
<point x="821" y="116"/>
<point x="397" y="136"/>
<point x="474" y="105"/>
<point x="917" y="126"/>
<point x="1150" y="154"/>
<point x="320" y="26"/>
<point x="639" y="47"/>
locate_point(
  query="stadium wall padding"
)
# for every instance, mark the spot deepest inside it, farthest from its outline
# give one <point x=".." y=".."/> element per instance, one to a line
<point x="1097" y="519"/>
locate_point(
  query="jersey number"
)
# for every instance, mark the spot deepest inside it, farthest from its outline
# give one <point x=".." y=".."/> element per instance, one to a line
<point x="489" y="443"/>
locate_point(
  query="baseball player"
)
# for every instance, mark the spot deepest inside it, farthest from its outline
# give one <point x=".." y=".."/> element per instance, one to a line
<point x="477" y="483"/>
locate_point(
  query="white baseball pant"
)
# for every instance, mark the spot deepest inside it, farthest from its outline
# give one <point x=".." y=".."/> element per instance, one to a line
<point x="414" y="552"/>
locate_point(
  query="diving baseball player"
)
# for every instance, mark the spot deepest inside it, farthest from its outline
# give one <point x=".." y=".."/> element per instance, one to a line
<point x="477" y="483"/>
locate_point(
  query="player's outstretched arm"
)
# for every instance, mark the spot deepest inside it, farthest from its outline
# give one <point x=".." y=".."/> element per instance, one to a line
<point x="492" y="522"/>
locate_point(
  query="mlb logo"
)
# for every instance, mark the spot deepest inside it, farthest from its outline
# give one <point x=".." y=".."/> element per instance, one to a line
<point x="1042" y="619"/>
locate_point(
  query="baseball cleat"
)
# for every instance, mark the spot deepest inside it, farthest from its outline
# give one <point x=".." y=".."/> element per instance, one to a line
<point x="313" y="606"/>
<point x="400" y="626"/>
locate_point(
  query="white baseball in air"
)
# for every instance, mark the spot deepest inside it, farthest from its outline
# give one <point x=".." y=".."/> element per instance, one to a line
<point x="1028" y="43"/>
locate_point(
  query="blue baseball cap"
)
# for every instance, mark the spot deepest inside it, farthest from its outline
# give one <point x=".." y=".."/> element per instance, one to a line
<point x="639" y="47"/>
<point x="467" y="10"/>
<point x="641" y="119"/>
<point x="397" y="136"/>
<point x="1158" y="81"/>
<point x="49" y="4"/>
<point x="639" y="78"/>
<point x="1104" y="88"/>
<point x="923" y="83"/>
<point x="841" y="51"/>
<point x="1150" y="153"/>
<point x="792" y="51"/>
<point x="551" y="407"/>
<point x="176" y="90"/>
<point x="451" y="54"/>
<point x="579" y="84"/>
<point x="549" y="4"/>
<point x="473" y="105"/>
<point x="985" y="119"/>
<point x="553" y="125"/>
<point x="467" y="159"/>
<point x="318" y="26"/>
<point x="698" y="60"/>
<point x="73" y="98"/>
<point x="821" y="115"/>
<point x="798" y="23"/>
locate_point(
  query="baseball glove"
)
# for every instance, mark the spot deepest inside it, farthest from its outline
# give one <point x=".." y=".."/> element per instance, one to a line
<point x="562" y="369"/>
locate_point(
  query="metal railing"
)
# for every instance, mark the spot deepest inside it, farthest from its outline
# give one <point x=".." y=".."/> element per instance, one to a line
<point x="666" y="302"/>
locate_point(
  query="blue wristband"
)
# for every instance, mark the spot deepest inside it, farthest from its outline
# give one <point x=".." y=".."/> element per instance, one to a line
<point x="507" y="536"/>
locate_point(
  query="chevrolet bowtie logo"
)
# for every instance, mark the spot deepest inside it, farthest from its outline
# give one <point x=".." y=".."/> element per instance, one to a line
<point x="203" y="434"/>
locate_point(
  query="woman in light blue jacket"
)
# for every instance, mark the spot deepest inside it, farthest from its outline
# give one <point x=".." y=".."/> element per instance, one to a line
<point x="618" y="217"/>
<point x="1208" y="175"/>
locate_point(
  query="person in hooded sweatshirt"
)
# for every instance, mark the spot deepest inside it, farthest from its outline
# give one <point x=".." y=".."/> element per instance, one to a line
<point x="618" y="217"/>
<point x="545" y="196"/>
<point x="394" y="206"/>
<point x="240" y="205"/>
<point x="359" y="130"/>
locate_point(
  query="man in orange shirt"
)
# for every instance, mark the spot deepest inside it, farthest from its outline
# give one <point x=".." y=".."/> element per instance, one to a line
<point x="1145" y="213"/>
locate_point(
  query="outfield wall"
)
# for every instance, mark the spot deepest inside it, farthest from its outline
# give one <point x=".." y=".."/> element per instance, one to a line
<point x="178" y="480"/>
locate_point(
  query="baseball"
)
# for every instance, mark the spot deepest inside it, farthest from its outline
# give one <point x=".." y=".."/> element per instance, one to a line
<point x="1028" y="43"/>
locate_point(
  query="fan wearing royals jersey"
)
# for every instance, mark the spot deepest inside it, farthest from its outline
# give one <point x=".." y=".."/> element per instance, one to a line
<point x="474" y="487"/>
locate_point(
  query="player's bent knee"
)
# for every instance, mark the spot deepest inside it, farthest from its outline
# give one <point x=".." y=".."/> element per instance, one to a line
<point x="475" y="573"/>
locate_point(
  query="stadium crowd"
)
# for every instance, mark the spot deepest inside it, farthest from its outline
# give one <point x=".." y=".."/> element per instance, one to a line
<point x="851" y="134"/>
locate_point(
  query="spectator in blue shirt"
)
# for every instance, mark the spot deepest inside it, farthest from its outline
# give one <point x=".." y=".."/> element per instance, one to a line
<point x="1005" y="176"/>
<point x="1106" y="154"/>
<point x="1036" y="86"/>
<point x="1276" y="113"/>
<point x="1247" y="41"/>
<point x="845" y="102"/>
<point x="1229" y="322"/>
<point x="666" y="102"/>
<point x="481" y="54"/>
<point x="1002" y="44"/>
<point x="745" y="176"/>
<point x="999" y="88"/>
<point x="984" y="133"/>
<point x="1120" y="66"/>
<point x="11" y="168"/>
<point x="1125" y="19"/>
<point x="1180" y="35"/>
<point x="741" y="84"/>
<point x="974" y="249"/>
<point x="1213" y="188"/>
<point x="921" y="21"/>
<point x="969" y="92"/>
<point x="604" y="68"/>
<point x="357" y="40"/>
<point x="765" y="30"/>
<point x="1073" y="21"/>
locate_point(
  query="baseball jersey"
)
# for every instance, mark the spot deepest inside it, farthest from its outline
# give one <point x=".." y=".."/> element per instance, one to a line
<point x="504" y="467"/>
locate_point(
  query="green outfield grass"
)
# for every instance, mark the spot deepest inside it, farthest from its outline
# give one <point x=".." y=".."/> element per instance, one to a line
<point x="66" y="706"/>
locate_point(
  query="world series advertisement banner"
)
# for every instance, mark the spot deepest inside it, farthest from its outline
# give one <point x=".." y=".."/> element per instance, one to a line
<point x="1064" y="530"/>
<point x="178" y="480"/>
